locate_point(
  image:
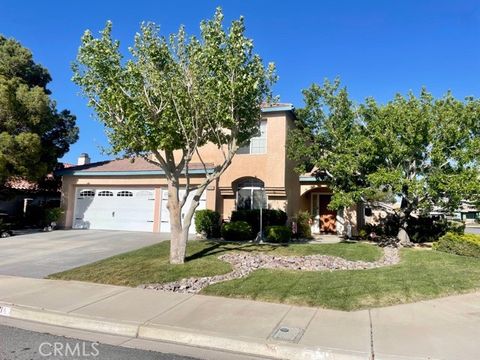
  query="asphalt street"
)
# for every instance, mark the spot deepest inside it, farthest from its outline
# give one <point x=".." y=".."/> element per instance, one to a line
<point x="19" y="344"/>
<point x="472" y="230"/>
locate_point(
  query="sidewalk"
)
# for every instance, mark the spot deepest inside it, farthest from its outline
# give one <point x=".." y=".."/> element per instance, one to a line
<point x="447" y="328"/>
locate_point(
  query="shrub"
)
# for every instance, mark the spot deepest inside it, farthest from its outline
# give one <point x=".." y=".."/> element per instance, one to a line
<point x="421" y="229"/>
<point x="466" y="245"/>
<point x="278" y="234"/>
<point x="270" y="217"/>
<point x="237" y="231"/>
<point x="303" y="225"/>
<point x="362" y="234"/>
<point x="456" y="227"/>
<point x="53" y="215"/>
<point x="207" y="222"/>
<point x="426" y="228"/>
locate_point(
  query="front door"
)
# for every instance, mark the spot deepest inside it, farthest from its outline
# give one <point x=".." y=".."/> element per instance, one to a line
<point x="324" y="219"/>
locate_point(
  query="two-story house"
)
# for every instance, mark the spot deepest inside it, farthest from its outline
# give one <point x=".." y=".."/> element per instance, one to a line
<point x="126" y="195"/>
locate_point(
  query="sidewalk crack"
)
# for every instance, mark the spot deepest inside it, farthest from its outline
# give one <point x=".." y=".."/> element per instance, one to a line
<point x="99" y="300"/>
<point x="372" y="351"/>
<point x="165" y="310"/>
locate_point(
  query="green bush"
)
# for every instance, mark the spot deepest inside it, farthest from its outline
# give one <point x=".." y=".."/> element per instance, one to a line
<point x="278" y="234"/>
<point x="303" y="225"/>
<point x="270" y="217"/>
<point x="53" y="215"/>
<point x="207" y="222"/>
<point x="466" y="245"/>
<point x="362" y="234"/>
<point x="456" y="227"/>
<point x="420" y="229"/>
<point x="427" y="228"/>
<point x="237" y="231"/>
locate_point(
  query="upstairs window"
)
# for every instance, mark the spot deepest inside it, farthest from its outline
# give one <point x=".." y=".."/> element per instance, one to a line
<point x="258" y="143"/>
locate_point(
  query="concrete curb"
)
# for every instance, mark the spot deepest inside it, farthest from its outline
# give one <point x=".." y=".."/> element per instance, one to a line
<point x="69" y="320"/>
<point x="246" y="346"/>
<point x="182" y="336"/>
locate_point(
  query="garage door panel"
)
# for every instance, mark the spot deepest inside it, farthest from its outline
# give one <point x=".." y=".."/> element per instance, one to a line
<point x="165" y="216"/>
<point x="115" y="209"/>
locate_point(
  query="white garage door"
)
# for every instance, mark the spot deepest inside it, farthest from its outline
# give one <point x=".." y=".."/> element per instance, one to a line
<point x="165" y="216"/>
<point x="114" y="209"/>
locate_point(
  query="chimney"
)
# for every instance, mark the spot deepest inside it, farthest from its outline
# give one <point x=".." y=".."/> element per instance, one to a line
<point x="83" y="159"/>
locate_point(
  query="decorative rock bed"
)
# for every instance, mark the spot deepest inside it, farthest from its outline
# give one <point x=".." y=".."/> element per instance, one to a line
<point x="243" y="265"/>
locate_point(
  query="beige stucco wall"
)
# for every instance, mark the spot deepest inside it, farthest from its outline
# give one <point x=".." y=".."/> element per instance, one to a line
<point x="292" y="183"/>
<point x="273" y="168"/>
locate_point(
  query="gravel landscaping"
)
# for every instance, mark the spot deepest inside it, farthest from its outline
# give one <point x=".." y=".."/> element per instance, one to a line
<point x="244" y="264"/>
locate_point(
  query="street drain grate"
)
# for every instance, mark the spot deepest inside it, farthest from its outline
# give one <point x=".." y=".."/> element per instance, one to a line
<point x="287" y="333"/>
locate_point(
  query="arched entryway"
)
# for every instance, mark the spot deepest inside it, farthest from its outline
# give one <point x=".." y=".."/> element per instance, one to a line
<point x="316" y="201"/>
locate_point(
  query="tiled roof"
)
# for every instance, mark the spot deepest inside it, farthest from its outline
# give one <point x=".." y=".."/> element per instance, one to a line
<point x="123" y="165"/>
<point x="19" y="183"/>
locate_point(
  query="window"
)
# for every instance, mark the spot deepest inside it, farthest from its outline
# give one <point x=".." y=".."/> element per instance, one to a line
<point x="125" y="193"/>
<point x="87" y="193"/>
<point x="105" y="193"/>
<point x="251" y="195"/>
<point x="257" y="144"/>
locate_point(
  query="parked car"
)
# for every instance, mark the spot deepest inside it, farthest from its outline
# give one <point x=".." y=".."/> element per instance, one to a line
<point x="5" y="225"/>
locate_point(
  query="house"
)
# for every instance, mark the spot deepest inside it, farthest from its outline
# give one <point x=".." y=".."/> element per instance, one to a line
<point x="20" y="195"/>
<point x="132" y="195"/>
<point x="468" y="212"/>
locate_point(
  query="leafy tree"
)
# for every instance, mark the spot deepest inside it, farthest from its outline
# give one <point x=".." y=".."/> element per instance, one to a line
<point x="33" y="134"/>
<point x="171" y="97"/>
<point x="422" y="150"/>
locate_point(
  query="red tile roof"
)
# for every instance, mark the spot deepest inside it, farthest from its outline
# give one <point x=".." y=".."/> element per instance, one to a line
<point x="19" y="183"/>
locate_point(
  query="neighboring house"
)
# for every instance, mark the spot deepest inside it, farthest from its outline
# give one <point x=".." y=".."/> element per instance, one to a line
<point x="19" y="194"/>
<point x="132" y="195"/>
<point x="468" y="212"/>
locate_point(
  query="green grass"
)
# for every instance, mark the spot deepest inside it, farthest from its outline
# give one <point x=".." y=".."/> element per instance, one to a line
<point x="422" y="274"/>
<point x="151" y="264"/>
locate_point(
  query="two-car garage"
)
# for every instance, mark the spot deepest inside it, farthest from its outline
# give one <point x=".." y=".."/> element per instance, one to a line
<point x="127" y="208"/>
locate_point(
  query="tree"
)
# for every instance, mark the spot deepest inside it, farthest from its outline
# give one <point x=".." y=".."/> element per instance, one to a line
<point x="424" y="151"/>
<point x="33" y="134"/>
<point x="173" y="96"/>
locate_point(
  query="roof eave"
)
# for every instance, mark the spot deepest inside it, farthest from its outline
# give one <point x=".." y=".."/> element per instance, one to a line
<point x="126" y="173"/>
<point x="278" y="108"/>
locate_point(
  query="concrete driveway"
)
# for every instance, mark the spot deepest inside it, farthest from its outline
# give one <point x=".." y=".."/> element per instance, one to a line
<point x="40" y="254"/>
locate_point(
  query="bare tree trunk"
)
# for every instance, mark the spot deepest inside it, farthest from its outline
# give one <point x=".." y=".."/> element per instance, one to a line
<point x="179" y="229"/>
<point x="178" y="242"/>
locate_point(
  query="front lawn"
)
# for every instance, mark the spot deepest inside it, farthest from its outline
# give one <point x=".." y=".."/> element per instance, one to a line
<point x="421" y="274"/>
<point x="151" y="264"/>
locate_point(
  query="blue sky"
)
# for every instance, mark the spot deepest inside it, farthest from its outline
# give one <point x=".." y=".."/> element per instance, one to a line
<point x="377" y="48"/>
